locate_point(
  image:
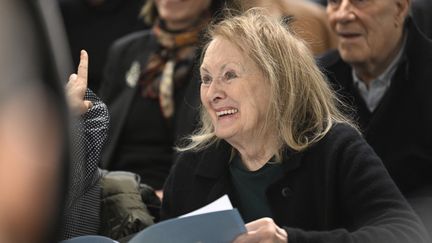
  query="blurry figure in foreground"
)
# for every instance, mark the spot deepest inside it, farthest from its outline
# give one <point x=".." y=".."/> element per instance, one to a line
<point x="33" y="129"/>
<point x="30" y="175"/>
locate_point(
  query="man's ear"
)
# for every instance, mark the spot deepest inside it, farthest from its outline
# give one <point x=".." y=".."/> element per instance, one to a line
<point x="403" y="9"/>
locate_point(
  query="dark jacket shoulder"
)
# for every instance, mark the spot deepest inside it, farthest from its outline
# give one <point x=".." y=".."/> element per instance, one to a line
<point x="129" y="40"/>
<point x="132" y="47"/>
<point x="327" y="59"/>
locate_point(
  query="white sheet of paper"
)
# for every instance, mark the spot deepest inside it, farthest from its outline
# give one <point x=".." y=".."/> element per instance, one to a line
<point x="223" y="203"/>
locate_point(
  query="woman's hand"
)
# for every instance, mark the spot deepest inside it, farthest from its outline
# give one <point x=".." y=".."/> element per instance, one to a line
<point x="77" y="86"/>
<point x="263" y="230"/>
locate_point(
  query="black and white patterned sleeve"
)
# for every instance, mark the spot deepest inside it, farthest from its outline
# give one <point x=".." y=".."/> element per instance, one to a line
<point x="83" y="200"/>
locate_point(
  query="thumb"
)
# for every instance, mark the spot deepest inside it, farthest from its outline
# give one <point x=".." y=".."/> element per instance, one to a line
<point x="88" y="104"/>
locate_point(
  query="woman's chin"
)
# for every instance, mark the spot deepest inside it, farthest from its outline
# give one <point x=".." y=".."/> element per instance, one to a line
<point x="224" y="133"/>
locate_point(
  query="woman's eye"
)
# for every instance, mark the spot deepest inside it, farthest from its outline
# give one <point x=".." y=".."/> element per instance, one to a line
<point x="230" y="75"/>
<point x="206" y="80"/>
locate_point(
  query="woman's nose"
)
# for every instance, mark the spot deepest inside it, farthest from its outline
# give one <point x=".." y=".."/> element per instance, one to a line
<point x="215" y="91"/>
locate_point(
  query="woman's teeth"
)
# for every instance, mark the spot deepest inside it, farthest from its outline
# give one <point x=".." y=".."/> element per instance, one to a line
<point x="226" y="112"/>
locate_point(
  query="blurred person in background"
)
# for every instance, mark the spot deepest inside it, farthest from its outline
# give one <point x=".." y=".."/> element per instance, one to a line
<point x="150" y="90"/>
<point x="382" y="68"/>
<point x="307" y="19"/>
<point x="421" y="13"/>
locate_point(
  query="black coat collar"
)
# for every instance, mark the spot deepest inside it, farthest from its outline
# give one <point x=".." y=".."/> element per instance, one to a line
<point x="214" y="161"/>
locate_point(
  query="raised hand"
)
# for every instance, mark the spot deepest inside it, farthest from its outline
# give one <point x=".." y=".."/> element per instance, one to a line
<point x="77" y="86"/>
<point x="263" y="230"/>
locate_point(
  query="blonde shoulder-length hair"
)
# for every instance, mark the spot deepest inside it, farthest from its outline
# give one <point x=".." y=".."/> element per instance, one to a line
<point x="303" y="107"/>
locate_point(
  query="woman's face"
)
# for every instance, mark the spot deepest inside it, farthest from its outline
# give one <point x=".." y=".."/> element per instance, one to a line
<point x="181" y="14"/>
<point x="233" y="91"/>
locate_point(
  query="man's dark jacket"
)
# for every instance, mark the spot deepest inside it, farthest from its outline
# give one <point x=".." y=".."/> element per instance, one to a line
<point x="400" y="129"/>
<point x="335" y="191"/>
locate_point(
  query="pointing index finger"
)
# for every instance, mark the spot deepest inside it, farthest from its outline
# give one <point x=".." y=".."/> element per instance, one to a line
<point x="83" y="66"/>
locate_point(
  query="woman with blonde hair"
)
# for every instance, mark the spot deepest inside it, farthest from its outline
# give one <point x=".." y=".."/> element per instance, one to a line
<point x="273" y="139"/>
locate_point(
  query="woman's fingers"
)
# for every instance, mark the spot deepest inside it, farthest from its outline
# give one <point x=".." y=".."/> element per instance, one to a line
<point x="263" y="230"/>
<point x="259" y="223"/>
<point x="72" y="77"/>
<point x="87" y="106"/>
<point x="83" y="68"/>
<point x="77" y="87"/>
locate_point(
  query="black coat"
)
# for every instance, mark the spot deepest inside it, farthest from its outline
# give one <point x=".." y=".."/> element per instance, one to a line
<point x="400" y="129"/>
<point x="118" y="95"/>
<point x="422" y="15"/>
<point x="335" y="191"/>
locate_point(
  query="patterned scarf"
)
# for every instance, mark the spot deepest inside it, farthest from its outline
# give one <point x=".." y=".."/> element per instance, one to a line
<point x="168" y="68"/>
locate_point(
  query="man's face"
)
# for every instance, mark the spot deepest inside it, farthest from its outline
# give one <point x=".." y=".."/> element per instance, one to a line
<point x="368" y="30"/>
